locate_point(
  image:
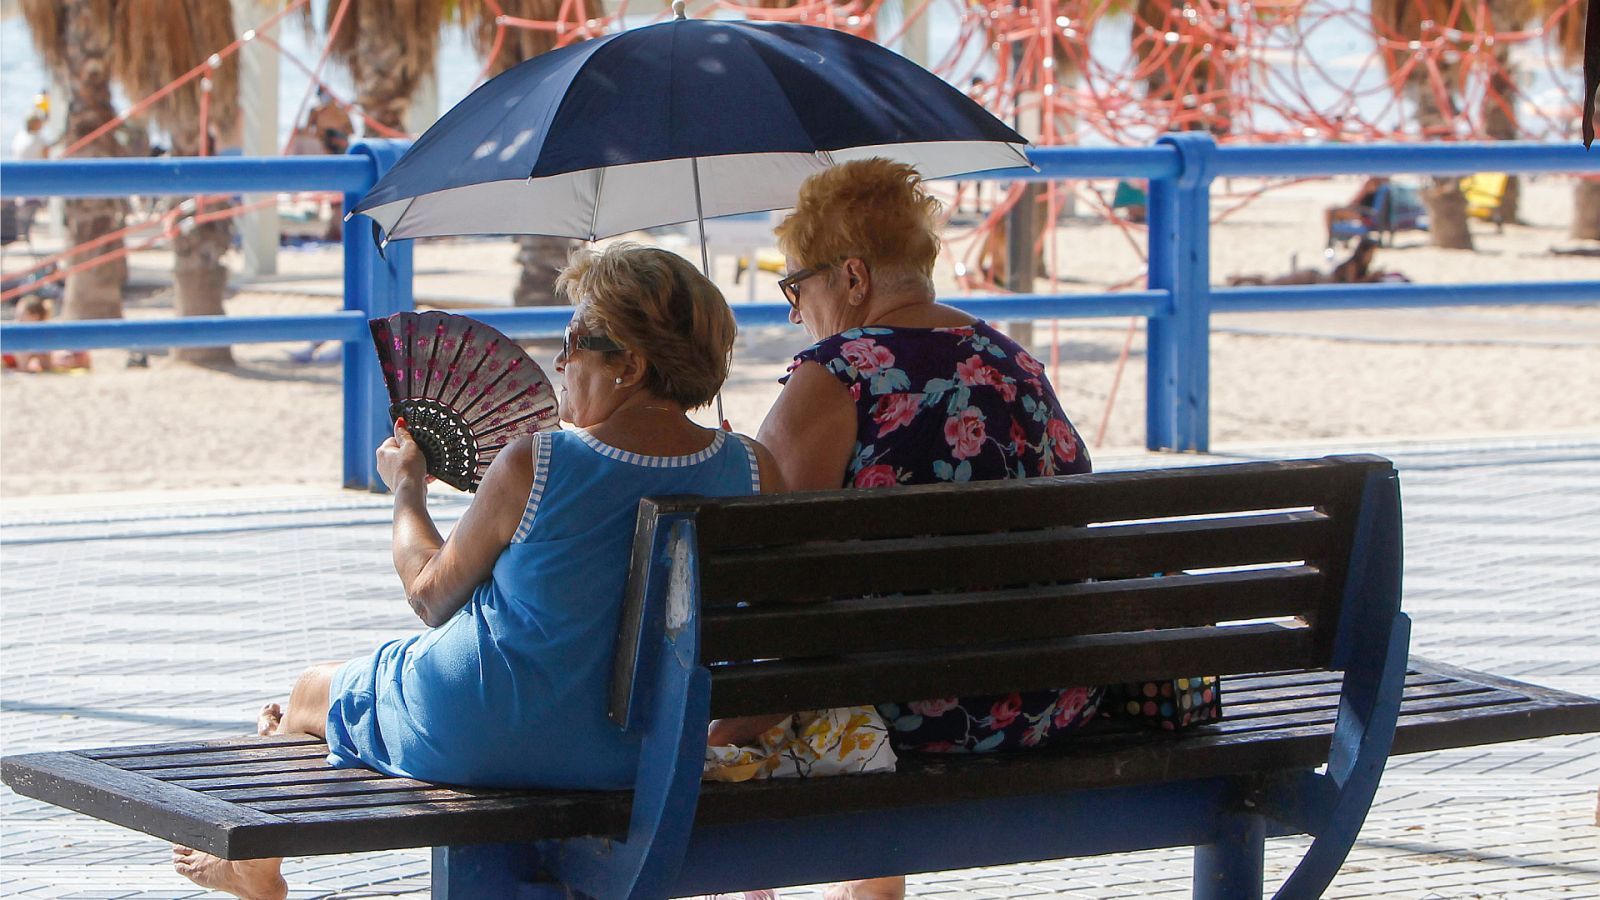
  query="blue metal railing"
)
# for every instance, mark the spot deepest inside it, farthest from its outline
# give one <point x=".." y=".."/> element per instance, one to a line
<point x="1177" y="304"/>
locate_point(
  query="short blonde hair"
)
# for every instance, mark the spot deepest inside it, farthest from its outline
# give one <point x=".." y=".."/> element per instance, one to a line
<point x="656" y="304"/>
<point x="874" y="209"/>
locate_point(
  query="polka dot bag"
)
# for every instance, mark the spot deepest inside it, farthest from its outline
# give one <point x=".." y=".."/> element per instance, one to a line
<point x="1170" y="704"/>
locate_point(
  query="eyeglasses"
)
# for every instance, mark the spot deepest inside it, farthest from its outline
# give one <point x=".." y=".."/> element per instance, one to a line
<point x="790" y="284"/>
<point x="571" y="342"/>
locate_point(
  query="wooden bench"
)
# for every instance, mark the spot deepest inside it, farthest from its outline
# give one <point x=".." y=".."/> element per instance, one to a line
<point x="1282" y="577"/>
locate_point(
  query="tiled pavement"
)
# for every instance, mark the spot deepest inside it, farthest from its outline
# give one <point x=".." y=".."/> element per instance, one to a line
<point x="173" y="617"/>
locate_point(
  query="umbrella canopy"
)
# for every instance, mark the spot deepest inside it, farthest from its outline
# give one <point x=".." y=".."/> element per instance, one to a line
<point x="675" y="122"/>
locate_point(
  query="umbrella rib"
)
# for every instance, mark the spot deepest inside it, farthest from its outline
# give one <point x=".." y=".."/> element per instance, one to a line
<point x="594" y="209"/>
<point x="402" y="217"/>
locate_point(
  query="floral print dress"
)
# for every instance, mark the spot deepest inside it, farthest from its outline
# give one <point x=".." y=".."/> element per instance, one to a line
<point x="957" y="404"/>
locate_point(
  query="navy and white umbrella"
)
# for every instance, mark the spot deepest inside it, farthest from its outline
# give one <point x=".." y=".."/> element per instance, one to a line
<point x="676" y="122"/>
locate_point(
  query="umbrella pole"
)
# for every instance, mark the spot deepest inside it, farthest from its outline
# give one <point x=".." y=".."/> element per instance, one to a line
<point x="705" y="258"/>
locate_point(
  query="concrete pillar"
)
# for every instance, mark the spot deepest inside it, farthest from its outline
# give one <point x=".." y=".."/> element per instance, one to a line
<point x="424" y="110"/>
<point x="914" y="43"/>
<point x="258" y="132"/>
<point x="55" y="125"/>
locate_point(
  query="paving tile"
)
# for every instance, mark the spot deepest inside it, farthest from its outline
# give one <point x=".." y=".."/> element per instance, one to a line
<point x="176" y="620"/>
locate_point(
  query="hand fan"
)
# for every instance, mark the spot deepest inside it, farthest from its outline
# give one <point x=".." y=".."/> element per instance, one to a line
<point x="464" y="389"/>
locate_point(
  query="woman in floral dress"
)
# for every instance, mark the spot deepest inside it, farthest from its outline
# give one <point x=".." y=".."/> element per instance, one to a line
<point x="899" y="389"/>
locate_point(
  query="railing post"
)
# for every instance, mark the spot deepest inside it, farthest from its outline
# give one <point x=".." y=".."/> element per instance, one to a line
<point x="1178" y="365"/>
<point x="377" y="285"/>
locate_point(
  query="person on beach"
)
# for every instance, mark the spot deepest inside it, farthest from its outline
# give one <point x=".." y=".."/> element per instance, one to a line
<point x="900" y="389"/>
<point x="1361" y="208"/>
<point x="507" y="685"/>
<point x="34" y="308"/>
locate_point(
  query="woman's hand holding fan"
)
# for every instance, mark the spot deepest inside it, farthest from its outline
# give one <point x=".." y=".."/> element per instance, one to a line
<point x="464" y="390"/>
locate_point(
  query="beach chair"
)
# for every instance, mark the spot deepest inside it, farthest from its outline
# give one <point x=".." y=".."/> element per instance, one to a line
<point x="1130" y="197"/>
<point x="1485" y="192"/>
<point x="1395" y="207"/>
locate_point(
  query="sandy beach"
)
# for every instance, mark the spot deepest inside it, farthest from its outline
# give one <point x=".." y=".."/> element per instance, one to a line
<point x="1276" y="378"/>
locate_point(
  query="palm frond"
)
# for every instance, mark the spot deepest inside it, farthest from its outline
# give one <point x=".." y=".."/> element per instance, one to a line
<point x="518" y="44"/>
<point x="48" y="30"/>
<point x="155" y="42"/>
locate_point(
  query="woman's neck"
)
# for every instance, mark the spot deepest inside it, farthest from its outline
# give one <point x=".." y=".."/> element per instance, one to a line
<point x="913" y="311"/>
<point x="652" y="426"/>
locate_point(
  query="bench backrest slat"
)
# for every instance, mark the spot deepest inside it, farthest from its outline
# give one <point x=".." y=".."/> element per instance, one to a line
<point x="844" y="597"/>
<point x="1017" y="614"/>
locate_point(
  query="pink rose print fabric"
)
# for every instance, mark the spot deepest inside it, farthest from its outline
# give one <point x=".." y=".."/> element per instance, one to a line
<point x="957" y="404"/>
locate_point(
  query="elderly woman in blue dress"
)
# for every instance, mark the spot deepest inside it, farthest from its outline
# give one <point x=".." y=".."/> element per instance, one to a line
<point x="522" y="601"/>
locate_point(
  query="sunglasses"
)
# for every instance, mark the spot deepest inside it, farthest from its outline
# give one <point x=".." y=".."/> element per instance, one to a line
<point x="790" y="284"/>
<point x="599" y="342"/>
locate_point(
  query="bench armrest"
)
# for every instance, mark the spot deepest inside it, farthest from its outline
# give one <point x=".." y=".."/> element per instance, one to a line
<point x="1372" y="647"/>
<point x="669" y="707"/>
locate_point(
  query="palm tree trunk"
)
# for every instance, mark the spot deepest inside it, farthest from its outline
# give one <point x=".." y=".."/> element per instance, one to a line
<point x="199" y="277"/>
<point x="1500" y="106"/>
<point x="201" y="280"/>
<point x="94" y="293"/>
<point x="1447" y="208"/>
<point x="1586" y="210"/>
<point x="541" y="259"/>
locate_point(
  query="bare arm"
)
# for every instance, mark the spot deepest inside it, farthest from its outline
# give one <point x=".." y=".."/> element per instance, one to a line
<point x="811" y="430"/>
<point x="440" y="575"/>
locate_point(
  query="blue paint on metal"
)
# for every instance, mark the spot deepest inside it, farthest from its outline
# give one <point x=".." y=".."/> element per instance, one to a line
<point x="674" y="698"/>
<point x="941" y="836"/>
<point x="375" y="285"/>
<point x="547" y="321"/>
<point x="1399" y="296"/>
<point x="1404" y="159"/>
<point x="1179" y="344"/>
<point x="1372" y="647"/>
<point x="1161" y="275"/>
<point x="191" y="331"/>
<point x="1232" y="865"/>
<point x="186" y="175"/>
<point x="487" y="872"/>
<point x="1052" y="163"/>
<point x="1178" y="303"/>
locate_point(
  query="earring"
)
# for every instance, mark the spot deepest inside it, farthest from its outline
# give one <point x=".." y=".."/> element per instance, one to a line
<point x="619" y="379"/>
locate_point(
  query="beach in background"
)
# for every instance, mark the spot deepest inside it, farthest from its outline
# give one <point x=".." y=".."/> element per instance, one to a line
<point x="1316" y="377"/>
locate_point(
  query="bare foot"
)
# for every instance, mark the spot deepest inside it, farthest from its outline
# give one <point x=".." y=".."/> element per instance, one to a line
<point x="269" y="720"/>
<point x="248" y="879"/>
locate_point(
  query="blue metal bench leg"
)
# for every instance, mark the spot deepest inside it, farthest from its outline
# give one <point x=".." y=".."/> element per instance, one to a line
<point x="491" y="872"/>
<point x="1231" y="868"/>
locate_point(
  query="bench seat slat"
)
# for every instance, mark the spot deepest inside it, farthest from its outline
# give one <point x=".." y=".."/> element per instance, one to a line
<point x="812" y="572"/>
<point x="251" y="794"/>
<point x="1489" y="709"/>
<point x="395" y="797"/>
<point x="1256" y="708"/>
<point x="1024" y="503"/>
<point x="122" y="754"/>
<point x="246" y="767"/>
<point x="132" y="800"/>
<point x="942" y="620"/>
<point x="157" y="763"/>
<point x="1239" y="699"/>
<point x="758" y="688"/>
<point x="281" y="779"/>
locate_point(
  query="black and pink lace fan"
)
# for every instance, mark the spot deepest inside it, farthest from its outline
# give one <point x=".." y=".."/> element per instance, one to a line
<point x="464" y="389"/>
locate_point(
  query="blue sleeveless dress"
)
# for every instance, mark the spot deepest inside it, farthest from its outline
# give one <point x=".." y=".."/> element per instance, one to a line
<point x="512" y="690"/>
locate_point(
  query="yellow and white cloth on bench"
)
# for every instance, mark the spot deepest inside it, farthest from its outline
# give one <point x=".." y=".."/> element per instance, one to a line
<point x="848" y="741"/>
